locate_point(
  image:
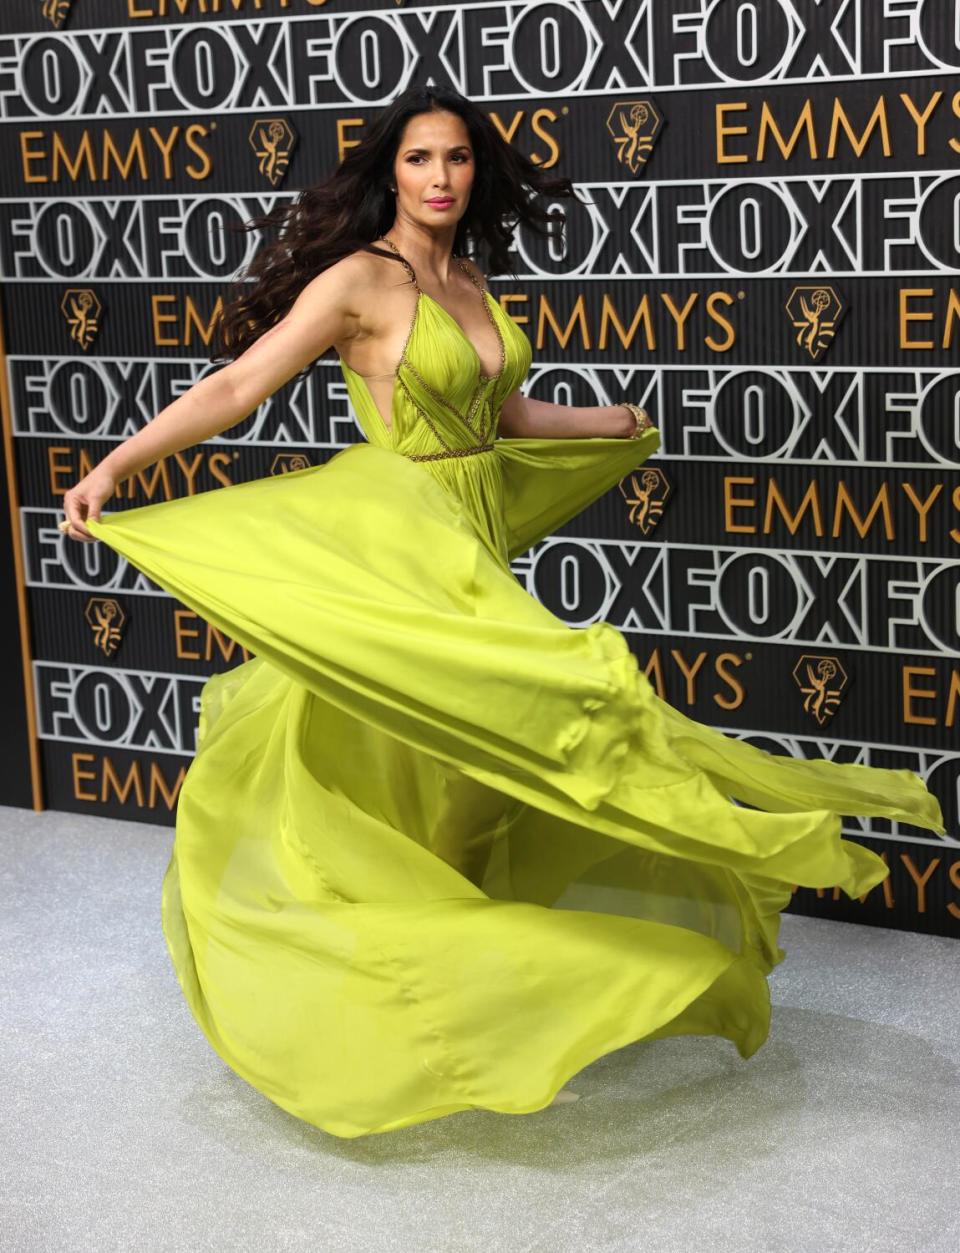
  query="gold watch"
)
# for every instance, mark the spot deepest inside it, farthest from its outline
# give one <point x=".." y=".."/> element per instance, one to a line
<point x="642" y="418"/>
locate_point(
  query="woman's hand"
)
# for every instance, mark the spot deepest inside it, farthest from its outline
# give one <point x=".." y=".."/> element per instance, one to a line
<point x="84" y="499"/>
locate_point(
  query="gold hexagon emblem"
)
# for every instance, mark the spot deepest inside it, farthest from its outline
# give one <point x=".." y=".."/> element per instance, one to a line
<point x="56" y="11"/>
<point x="106" y="619"/>
<point x="823" y="682"/>
<point x="635" y="126"/>
<point x="645" y="491"/>
<point x="815" y="312"/>
<point x="290" y="462"/>
<point x="81" y="309"/>
<point x="273" y="140"/>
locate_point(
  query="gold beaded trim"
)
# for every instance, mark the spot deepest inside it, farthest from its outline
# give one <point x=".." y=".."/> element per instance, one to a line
<point x="484" y="294"/>
<point x="468" y="417"/>
<point x="436" y="434"/>
<point x="485" y="432"/>
<point x="487" y="378"/>
<point x="413" y="322"/>
<point x="453" y="452"/>
<point x="432" y="391"/>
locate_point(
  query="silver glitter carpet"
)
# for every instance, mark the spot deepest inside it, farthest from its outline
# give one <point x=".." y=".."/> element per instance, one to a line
<point x="122" y="1130"/>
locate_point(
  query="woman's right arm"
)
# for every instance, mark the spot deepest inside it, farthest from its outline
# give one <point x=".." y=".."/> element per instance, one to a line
<point x="325" y="312"/>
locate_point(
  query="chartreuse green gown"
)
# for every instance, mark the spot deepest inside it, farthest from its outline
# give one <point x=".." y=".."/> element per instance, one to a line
<point x="438" y="850"/>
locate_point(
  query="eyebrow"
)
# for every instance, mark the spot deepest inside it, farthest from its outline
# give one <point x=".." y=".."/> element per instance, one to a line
<point x="454" y="148"/>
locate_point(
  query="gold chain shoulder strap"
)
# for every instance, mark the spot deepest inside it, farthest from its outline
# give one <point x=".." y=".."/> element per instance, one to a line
<point x="409" y="268"/>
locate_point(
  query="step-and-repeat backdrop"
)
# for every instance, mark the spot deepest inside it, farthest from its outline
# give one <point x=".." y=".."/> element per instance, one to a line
<point x="764" y="253"/>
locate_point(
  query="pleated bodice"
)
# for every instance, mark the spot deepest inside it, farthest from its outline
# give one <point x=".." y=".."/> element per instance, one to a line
<point x="445" y="410"/>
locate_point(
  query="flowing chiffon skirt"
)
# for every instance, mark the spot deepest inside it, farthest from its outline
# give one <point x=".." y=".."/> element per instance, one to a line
<point x="437" y="850"/>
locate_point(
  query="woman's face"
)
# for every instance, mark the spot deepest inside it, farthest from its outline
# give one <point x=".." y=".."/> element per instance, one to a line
<point x="434" y="162"/>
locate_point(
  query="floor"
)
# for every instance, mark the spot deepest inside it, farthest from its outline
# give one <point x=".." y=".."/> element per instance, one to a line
<point x="122" y="1130"/>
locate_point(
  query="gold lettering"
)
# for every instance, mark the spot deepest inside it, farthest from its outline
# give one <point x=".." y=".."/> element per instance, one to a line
<point x="768" y="126"/>
<point x="920" y="880"/>
<point x="539" y="116"/>
<point x="723" y="130"/>
<point x="910" y="315"/>
<point x="29" y="155"/>
<point x="922" y="508"/>
<point x="731" y="502"/>
<point x="46" y="159"/>
<point x="921" y="119"/>
<point x="811" y="500"/>
<point x="189" y="468"/>
<point x="578" y="316"/>
<point x="111" y="786"/>
<point x="186" y="626"/>
<point x="954" y="873"/>
<point x="134" y="153"/>
<point x="886" y="885"/>
<point x="61" y="472"/>
<point x="731" y="680"/>
<point x="80" y="775"/>
<point x="953" y="699"/>
<point x="955" y="501"/>
<point x="192" y="320"/>
<point x="654" y="667"/>
<point x="911" y="693"/>
<point x="84" y="154"/>
<point x="859" y="143"/>
<point x="193" y="134"/>
<point x="344" y="124"/>
<point x="220" y="462"/>
<point x="145" y="482"/>
<point x="507" y="129"/>
<point x="689" y="672"/>
<point x="680" y="316"/>
<point x="609" y="315"/>
<point x="955" y="143"/>
<point x="835" y="893"/>
<point x="205" y="329"/>
<point x="165" y="147"/>
<point x="844" y="503"/>
<point x="953" y="314"/>
<point x="515" y="298"/>
<point x="156" y="300"/>
<point x="715" y="298"/>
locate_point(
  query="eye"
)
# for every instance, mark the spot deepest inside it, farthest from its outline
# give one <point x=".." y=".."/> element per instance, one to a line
<point x="457" y="156"/>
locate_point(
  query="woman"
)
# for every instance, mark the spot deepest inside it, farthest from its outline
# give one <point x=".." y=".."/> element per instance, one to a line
<point x="437" y="850"/>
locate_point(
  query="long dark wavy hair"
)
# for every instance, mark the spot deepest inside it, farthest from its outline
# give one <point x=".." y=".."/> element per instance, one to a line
<point x="354" y="206"/>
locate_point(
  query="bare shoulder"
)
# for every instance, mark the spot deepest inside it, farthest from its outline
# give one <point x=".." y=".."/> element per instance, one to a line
<point x="354" y="288"/>
<point x="352" y="273"/>
<point x="475" y="270"/>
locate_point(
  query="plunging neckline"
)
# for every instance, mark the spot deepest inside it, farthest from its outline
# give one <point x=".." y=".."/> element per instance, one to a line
<point x="395" y="378"/>
<point x="481" y="377"/>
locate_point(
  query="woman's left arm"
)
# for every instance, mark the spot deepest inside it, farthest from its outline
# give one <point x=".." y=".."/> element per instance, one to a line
<point x="524" y="418"/>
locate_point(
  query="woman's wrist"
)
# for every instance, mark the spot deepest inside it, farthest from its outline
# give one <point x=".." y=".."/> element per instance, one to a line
<point x="108" y="464"/>
<point x="626" y="423"/>
<point x="637" y="419"/>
